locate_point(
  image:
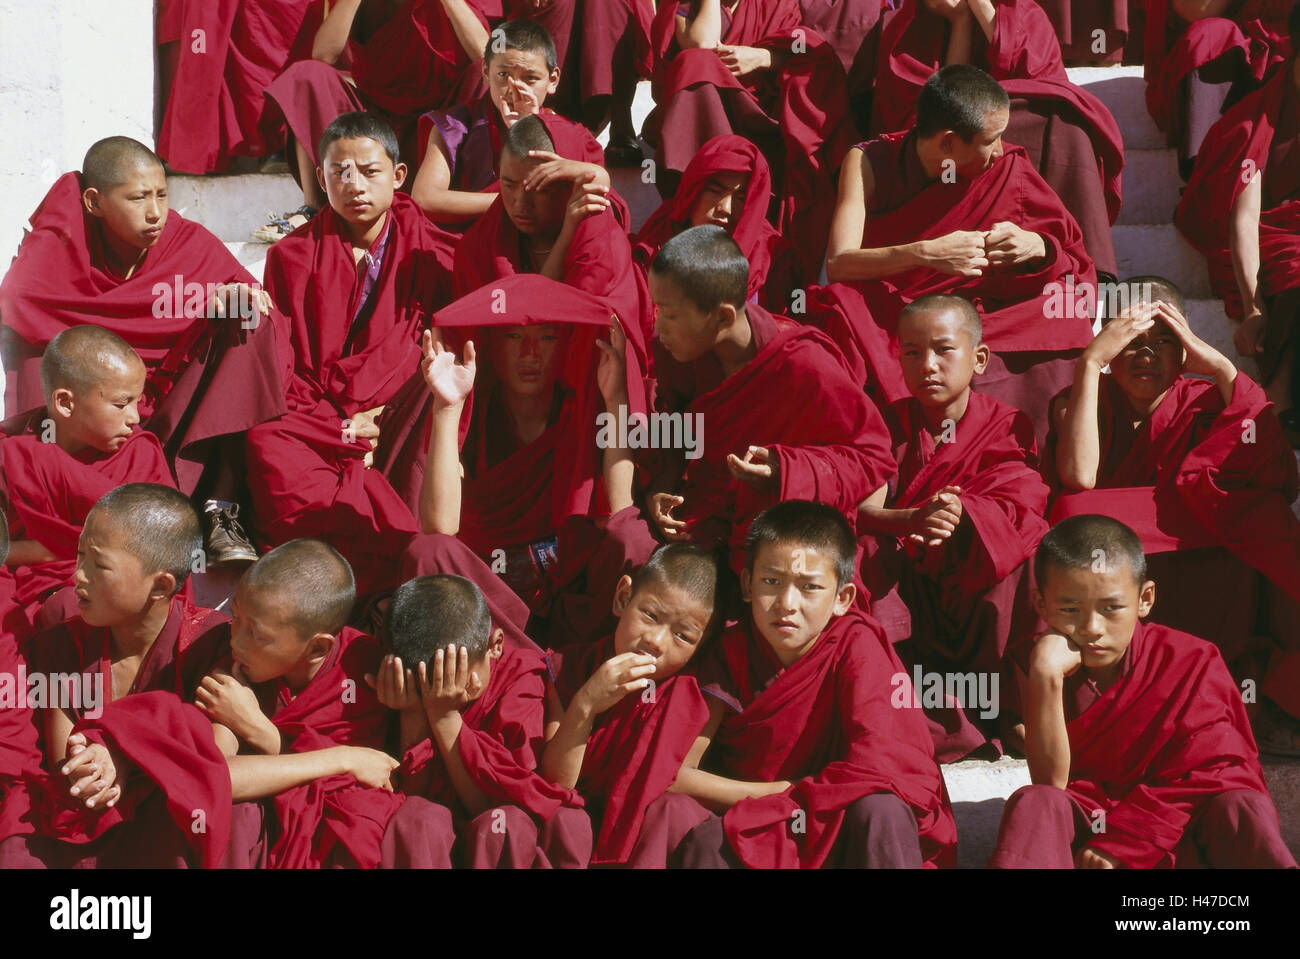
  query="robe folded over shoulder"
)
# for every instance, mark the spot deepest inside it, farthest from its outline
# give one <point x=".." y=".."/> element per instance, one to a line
<point x="774" y="269"/>
<point x="168" y="742"/>
<point x="799" y="115"/>
<point x="1171" y="734"/>
<point x="347" y="355"/>
<point x="1253" y="33"/>
<point x="1261" y="133"/>
<point x="636" y="747"/>
<point x="839" y="724"/>
<point x="1065" y="129"/>
<point x="49" y="492"/>
<point x="334" y="820"/>
<point x="206" y="378"/>
<point x="218" y="74"/>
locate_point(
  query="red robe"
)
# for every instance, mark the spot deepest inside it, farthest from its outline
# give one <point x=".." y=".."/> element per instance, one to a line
<point x="966" y="598"/>
<point x="206" y="379"/>
<point x="167" y="741"/>
<point x="799" y="115"/>
<point x="636" y="748"/>
<point x="852" y="27"/>
<point x="1079" y="133"/>
<point x="829" y="724"/>
<point x="774" y="270"/>
<point x="1075" y="21"/>
<point x="1262" y="133"/>
<point x="307" y="471"/>
<point x="615" y="42"/>
<point x="49" y="492"/>
<point x="219" y="74"/>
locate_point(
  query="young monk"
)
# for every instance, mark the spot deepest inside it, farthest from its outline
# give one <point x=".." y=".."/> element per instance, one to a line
<point x="753" y="68"/>
<point x="946" y="207"/>
<point x="57" y="466"/>
<point x="812" y="753"/>
<point x="130" y="768"/>
<point x="957" y="523"/>
<point x="1071" y="138"/>
<point x="472" y="729"/>
<point x="1138" y="745"/>
<point x="729" y="183"/>
<point x="460" y="145"/>
<point x="1199" y="469"/>
<point x="622" y="714"/>
<point x="402" y="57"/>
<point x="297" y="723"/>
<point x="105" y="250"/>
<point x="357" y="288"/>
<point x="1241" y="209"/>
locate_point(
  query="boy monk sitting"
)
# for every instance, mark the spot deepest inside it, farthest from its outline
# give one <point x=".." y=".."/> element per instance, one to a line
<point x="1137" y="739"/>
<point x="57" y="465"/>
<point x="471" y="730"/>
<point x="957" y="523"/>
<point x="621" y="713"/>
<point x="104" y="249"/>
<point x="130" y="767"/>
<point x="1200" y="470"/>
<point x="812" y="752"/>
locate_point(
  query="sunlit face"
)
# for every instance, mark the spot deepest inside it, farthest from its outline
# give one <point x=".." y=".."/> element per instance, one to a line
<point x="686" y="331"/>
<point x="105" y="415"/>
<point x="134" y="212"/>
<point x="535" y="213"/>
<point x="264" y="639"/>
<point x="519" y="83"/>
<point x="1096" y="608"/>
<point x="721" y="200"/>
<point x="973" y="158"/>
<point x="111" y="584"/>
<point x="527" y="359"/>
<point x="359" y="179"/>
<point x="793" y="592"/>
<point x="1149" y="364"/>
<point x="659" y="620"/>
<point x="937" y="356"/>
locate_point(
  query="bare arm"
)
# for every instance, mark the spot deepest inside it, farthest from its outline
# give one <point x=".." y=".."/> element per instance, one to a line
<point x="332" y="37"/>
<point x="471" y="33"/>
<point x="450" y="384"/>
<point x="705" y="31"/>
<point x="257" y="777"/>
<point x="432" y="187"/>
<point x="1047" y="742"/>
<point x="1078" y="442"/>
<point x="715" y="792"/>
<point x="24" y="552"/>
<point x="845" y="257"/>
<point x="1243" y="244"/>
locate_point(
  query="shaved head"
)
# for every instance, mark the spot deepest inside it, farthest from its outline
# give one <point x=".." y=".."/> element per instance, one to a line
<point x="313" y="578"/>
<point x="960" y="97"/>
<point x="1089" y="541"/>
<point x="109" y="162"/>
<point x="430" y="613"/>
<point x="79" y="358"/>
<point x="159" y="526"/>
<point x="527" y="134"/>
<point x="965" y="311"/>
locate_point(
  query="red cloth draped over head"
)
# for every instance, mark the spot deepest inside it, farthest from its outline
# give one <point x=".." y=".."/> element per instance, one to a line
<point x="1169" y="735"/>
<point x="336" y="812"/>
<point x="1173" y="49"/>
<point x="1024" y="57"/>
<point x="828" y="723"/>
<point x="636" y="748"/>
<point x="1235" y="148"/>
<point x="500" y="743"/>
<point x="768" y="253"/>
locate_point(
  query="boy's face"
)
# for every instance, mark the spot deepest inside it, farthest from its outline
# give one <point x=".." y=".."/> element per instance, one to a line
<point x="793" y="592"/>
<point x="537" y="213"/>
<point x="111" y="585"/>
<point x="937" y="356"/>
<point x="480" y="670"/>
<point x="264" y="640"/>
<point x="721" y="201"/>
<point x="104" y="416"/>
<point x="519" y="83"/>
<point x="134" y="211"/>
<point x="659" y="620"/>
<point x="1095" y="608"/>
<point x="359" y="179"/>
<point x="686" y="331"/>
<point x="527" y="359"/>
<point x="1149" y="365"/>
<point x="973" y="158"/>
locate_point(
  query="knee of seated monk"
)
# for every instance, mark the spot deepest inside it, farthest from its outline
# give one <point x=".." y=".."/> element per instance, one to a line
<point x="1191" y="10"/>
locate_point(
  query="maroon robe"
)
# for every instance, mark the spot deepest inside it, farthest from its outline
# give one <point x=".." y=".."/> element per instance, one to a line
<point x="207" y="379"/>
<point x="833" y="724"/>
<point x="614" y="52"/>
<point x="347" y="356"/>
<point x="966" y="598"/>
<point x="853" y="28"/>
<point x="1075" y="22"/>
<point x="1066" y="131"/>
<point x="797" y="116"/>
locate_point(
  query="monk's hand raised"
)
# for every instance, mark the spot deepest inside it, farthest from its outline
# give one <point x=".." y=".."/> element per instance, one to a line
<point x="661" y="514"/>
<point x="937" y="518"/>
<point x="589" y="198"/>
<point x="616" y="677"/>
<point x="1249" y="338"/>
<point x="395" y="685"/>
<point x="369" y="767"/>
<point x="1200" y="357"/>
<point x="742" y="61"/>
<point x="92" y="773"/>
<point x="1089" y="858"/>
<point x="224" y="699"/>
<point x="1054" y="656"/>
<point x="611" y="369"/>
<point x="960" y="253"/>
<point x="1008" y="245"/>
<point x="556" y="169"/>
<point x="1119" y="333"/>
<point x="448" y="685"/>
<point x="449" y="382"/>
<point x="364" y="426"/>
<point x="760" y="469"/>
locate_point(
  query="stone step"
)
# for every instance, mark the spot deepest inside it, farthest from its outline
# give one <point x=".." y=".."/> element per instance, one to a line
<point x="1142" y="248"/>
<point x="234" y="206"/>
<point x="1123" y="91"/>
<point x="1151" y="187"/>
<point x="251" y="254"/>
